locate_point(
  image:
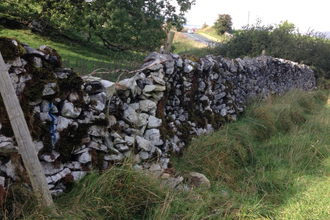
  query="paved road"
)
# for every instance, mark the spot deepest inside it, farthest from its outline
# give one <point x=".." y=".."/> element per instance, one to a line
<point x="201" y="39"/>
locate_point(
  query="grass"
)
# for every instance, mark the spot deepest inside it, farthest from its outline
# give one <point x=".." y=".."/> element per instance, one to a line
<point x="262" y="159"/>
<point x="273" y="163"/>
<point x="183" y="45"/>
<point x="210" y="33"/>
<point x="83" y="58"/>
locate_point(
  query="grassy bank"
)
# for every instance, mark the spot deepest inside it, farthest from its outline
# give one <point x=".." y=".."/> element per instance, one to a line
<point x="83" y="58"/>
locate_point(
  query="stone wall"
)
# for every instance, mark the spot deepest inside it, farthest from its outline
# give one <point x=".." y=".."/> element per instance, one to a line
<point x="83" y="123"/>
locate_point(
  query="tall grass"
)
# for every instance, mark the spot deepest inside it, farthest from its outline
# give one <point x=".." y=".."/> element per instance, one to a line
<point x="183" y="45"/>
<point x="273" y="163"/>
<point x="260" y="159"/>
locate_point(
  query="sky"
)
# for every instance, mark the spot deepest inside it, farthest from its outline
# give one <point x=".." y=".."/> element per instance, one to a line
<point x="313" y="15"/>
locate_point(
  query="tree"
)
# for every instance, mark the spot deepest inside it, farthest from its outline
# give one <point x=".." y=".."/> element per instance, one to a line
<point x="119" y="24"/>
<point x="223" y="24"/>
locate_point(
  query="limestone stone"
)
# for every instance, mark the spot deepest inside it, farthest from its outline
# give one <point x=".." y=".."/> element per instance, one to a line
<point x="49" y="89"/>
<point x="153" y="135"/>
<point x="7" y="146"/>
<point x="50" y="157"/>
<point x="85" y="158"/>
<point x="2" y="181"/>
<point x="69" y="110"/>
<point x="50" y="168"/>
<point x="77" y="175"/>
<point x="198" y="180"/>
<point x="114" y="157"/>
<point x="97" y="130"/>
<point x="143" y="144"/>
<point x="147" y="106"/>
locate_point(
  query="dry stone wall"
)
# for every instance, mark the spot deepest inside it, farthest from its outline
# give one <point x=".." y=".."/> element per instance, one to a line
<point x="83" y="123"/>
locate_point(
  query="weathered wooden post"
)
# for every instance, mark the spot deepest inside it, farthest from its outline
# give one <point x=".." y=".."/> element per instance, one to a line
<point x="25" y="144"/>
<point x="169" y="41"/>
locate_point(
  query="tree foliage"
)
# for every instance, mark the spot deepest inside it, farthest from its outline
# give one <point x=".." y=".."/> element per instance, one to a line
<point x="118" y="24"/>
<point x="223" y="23"/>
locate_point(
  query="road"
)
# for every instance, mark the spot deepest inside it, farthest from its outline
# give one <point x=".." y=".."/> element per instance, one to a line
<point x="201" y="39"/>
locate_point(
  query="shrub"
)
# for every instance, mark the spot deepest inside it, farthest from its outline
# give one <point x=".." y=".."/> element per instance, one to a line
<point x="283" y="41"/>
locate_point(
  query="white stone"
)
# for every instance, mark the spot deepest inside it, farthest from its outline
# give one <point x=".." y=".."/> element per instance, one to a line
<point x="159" y="88"/>
<point x="17" y="62"/>
<point x="119" y="141"/>
<point x="63" y="123"/>
<point x="85" y="158"/>
<point x="99" y="106"/>
<point x="114" y="157"/>
<point x="147" y="105"/>
<point x="50" y="168"/>
<point x="2" y="181"/>
<point x="77" y="175"/>
<point x="73" y="97"/>
<point x="129" y="140"/>
<point x="10" y="169"/>
<point x="69" y="110"/>
<point x="144" y="155"/>
<point x="158" y="80"/>
<point x="24" y="78"/>
<point x="44" y="116"/>
<point x="155" y="167"/>
<point x="122" y="147"/>
<point x="55" y="178"/>
<point x="37" y="61"/>
<point x="49" y="89"/>
<point x="101" y="97"/>
<point x="130" y="115"/>
<point x="149" y="88"/>
<point x="127" y="84"/>
<point x="73" y="165"/>
<point x="153" y="135"/>
<point x="97" y="130"/>
<point x="110" y="88"/>
<point x="223" y="112"/>
<point x="38" y="146"/>
<point x="143" y="143"/>
<point x="6" y="145"/>
<point x="50" y="157"/>
<point x="142" y="119"/>
<point x="157" y="95"/>
<point x="112" y="120"/>
<point x="97" y="146"/>
<point x="154" y="122"/>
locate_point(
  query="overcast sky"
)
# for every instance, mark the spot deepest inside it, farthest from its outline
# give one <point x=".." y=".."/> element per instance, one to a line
<point x="304" y="14"/>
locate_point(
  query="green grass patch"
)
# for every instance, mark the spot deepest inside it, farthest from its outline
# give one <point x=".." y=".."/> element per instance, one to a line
<point x="211" y="33"/>
<point x="183" y="45"/>
<point x="80" y="56"/>
<point x="257" y="162"/>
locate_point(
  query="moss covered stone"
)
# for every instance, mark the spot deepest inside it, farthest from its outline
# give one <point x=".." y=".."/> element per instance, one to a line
<point x="10" y="48"/>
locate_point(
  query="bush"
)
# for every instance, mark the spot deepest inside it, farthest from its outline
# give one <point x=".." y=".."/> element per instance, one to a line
<point x="282" y="41"/>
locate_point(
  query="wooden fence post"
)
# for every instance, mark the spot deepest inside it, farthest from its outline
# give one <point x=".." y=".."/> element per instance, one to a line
<point x="169" y="42"/>
<point x="26" y="147"/>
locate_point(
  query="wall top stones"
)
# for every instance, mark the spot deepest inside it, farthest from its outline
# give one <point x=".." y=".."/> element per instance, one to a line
<point x="79" y="123"/>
